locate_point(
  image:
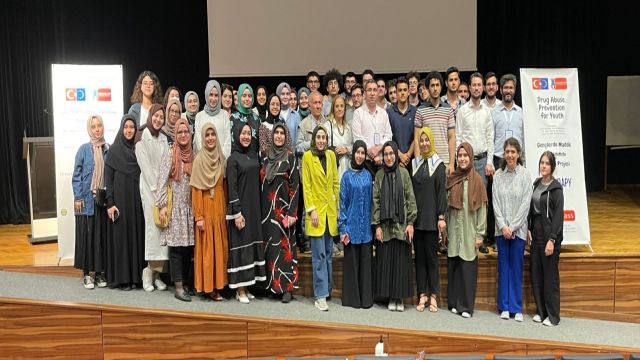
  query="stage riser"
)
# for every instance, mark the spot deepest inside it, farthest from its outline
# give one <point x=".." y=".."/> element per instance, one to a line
<point x="603" y="288"/>
<point x="29" y="329"/>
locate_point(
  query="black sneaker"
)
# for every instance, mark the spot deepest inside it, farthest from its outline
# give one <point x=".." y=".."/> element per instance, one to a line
<point x="286" y="297"/>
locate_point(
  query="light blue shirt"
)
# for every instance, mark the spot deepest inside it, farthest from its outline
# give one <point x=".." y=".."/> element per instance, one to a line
<point x="507" y="123"/>
<point x="292" y="121"/>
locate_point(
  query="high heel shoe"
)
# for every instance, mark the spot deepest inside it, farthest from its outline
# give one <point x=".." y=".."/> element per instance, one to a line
<point x="242" y="298"/>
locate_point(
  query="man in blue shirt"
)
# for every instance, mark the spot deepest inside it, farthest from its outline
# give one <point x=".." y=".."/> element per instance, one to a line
<point x="401" y="117"/>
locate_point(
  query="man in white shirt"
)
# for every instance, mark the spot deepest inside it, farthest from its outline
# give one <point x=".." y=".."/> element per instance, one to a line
<point x="491" y="89"/>
<point x="475" y="126"/>
<point x="371" y="125"/>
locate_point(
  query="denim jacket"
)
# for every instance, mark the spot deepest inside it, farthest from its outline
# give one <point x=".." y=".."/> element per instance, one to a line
<point x="82" y="174"/>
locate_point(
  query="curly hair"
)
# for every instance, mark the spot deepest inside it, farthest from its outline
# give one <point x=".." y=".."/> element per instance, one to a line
<point x="136" y="95"/>
<point x="332" y="74"/>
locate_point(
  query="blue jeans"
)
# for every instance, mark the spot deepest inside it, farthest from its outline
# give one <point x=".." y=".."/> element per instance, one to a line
<point x="321" y="260"/>
<point x="480" y="165"/>
<point x="510" y="268"/>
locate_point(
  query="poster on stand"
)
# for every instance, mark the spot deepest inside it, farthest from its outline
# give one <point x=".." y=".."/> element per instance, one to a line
<point x="79" y="91"/>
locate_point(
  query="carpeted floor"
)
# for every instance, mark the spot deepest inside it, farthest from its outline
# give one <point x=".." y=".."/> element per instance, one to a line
<point x="58" y="288"/>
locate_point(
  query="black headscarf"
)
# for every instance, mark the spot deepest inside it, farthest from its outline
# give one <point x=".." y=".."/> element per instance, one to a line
<point x="356" y="145"/>
<point x="314" y="149"/>
<point x="276" y="154"/>
<point x="392" y="190"/>
<point x="271" y="118"/>
<point x="263" y="110"/>
<point x="237" y="146"/>
<point x="122" y="156"/>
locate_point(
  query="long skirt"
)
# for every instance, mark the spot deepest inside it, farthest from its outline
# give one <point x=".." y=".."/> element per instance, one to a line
<point x="462" y="284"/>
<point x="91" y="241"/>
<point x="357" y="290"/>
<point x="392" y="270"/>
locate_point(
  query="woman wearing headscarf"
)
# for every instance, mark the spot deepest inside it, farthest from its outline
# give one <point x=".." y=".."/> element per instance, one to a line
<point x="175" y="170"/>
<point x="280" y="178"/>
<point x="321" y="195"/>
<point x="546" y="218"/>
<point x="293" y="102"/>
<point x="150" y="148"/>
<point x="246" y="250"/>
<point x="261" y="102"/>
<point x="467" y="198"/>
<point x="342" y="138"/>
<point x="191" y="107"/>
<point x="354" y="224"/>
<point x="394" y="213"/>
<point x="212" y="114"/>
<point x="266" y="128"/>
<point x="209" y="200"/>
<point x="146" y="92"/>
<point x="125" y="232"/>
<point x="244" y="115"/>
<point x="172" y="113"/>
<point x="90" y="212"/>
<point x="429" y="187"/>
<point x="303" y="102"/>
<point x="512" y="192"/>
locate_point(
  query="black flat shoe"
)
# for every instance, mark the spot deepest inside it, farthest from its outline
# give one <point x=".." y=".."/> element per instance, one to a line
<point x="483" y="249"/>
<point x="183" y="297"/>
<point x="125" y="287"/>
<point x="286" y="297"/>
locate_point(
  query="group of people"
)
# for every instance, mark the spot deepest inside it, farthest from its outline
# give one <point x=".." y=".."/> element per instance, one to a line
<point x="226" y="196"/>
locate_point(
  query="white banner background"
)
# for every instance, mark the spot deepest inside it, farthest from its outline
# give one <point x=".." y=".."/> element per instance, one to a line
<point x="79" y="91"/>
<point x="551" y="106"/>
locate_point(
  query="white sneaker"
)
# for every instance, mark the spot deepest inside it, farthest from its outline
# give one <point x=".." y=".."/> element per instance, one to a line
<point x="537" y="318"/>
<point x="466" y="315"/>
<point x="147" y="279"/>
<point x="518" y="317"/>
<point x="399" y="305"/>
<point x="504" y="315"/>
<point x="454" y="310"/>
<point x="547" y="322"/>
<point x="321" y="304"/>
<point x="159" y="284"/>
<point x="87" y="282"/>
<point x="392" y="305"/>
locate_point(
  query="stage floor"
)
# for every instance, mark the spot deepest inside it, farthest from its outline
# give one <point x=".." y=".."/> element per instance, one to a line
<point x="67" y="290"/>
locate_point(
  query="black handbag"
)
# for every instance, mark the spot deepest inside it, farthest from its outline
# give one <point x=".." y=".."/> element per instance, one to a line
<point x="100" y="197"/>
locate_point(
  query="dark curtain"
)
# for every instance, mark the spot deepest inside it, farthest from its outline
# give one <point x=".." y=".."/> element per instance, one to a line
<point x="599" y="39"/>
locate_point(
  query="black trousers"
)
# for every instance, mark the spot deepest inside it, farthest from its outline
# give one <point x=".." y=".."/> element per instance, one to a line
<point x="491" y="218"/>
<point x="302" y="240"/>
<point x="463" y="280"/>
<point x="425" y="245"/>
<point x="545" y="277"/>
<point x="357" y="276"/>
<point x="179" y="262"/>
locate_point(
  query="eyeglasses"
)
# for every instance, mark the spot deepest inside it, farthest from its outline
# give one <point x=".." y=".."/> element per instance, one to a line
<point x="174" y="112"/>
<point x="314" y="81"/>
<point x="147" y="83"/>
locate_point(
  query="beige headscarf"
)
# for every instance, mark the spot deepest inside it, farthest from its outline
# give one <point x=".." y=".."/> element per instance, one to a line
<point x="97" y="180"/>
<point x="209" y="164"/>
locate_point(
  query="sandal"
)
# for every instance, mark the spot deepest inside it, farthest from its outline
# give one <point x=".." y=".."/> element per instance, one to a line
<point x="433" y="304"/>
<point x="424" y="301"/>
<point x="215" y="296"/>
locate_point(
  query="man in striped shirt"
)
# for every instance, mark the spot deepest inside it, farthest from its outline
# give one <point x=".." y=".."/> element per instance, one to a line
<point x="439" y="117"/>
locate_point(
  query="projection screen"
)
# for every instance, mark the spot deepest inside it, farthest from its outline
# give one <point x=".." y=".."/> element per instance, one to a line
<point x="291" y="37"/>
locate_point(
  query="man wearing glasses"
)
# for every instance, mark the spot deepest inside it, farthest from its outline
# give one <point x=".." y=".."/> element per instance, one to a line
<point x="313" y="81"/>
<point x="413" y="78"/>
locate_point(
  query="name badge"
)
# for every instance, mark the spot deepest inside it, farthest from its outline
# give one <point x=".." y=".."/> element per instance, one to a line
<point x="376" y="139"/>
<point x="508" y="134"/>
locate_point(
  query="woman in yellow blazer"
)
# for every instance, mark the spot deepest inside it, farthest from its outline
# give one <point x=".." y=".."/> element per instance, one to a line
<point x="321" y="191"/>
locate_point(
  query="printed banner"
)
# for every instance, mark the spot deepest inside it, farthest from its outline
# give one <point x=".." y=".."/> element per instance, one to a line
<point x="551" y="106"/>
<point x="79" y="91"/>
